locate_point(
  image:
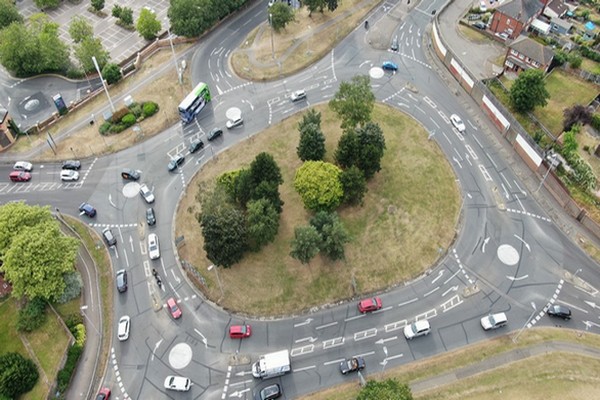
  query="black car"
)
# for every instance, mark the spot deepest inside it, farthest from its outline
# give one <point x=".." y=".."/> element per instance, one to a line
<point x="150" y="217"/>
<point x="215" y="133"/>
<point x="175" y="162"/>
<point x="122" y="280"/>
<point x="352" y="364"/>
<point x="109" y="237"/>
<point x="394" y="46"/>
<point x="270" y="392"/>
<point x="480" y="25"/>
<point x="196" y="145"/>
<point x="71" y="164"/>
<point x="130" y="174"/>
<point x="87" y="209"/>
<point x="559" y="311"/>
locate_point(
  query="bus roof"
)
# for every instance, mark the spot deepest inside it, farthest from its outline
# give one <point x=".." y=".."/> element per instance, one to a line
<point x="189" y="99"/>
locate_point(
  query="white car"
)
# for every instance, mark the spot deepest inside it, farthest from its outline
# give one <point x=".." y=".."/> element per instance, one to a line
<point x="147" y="194"/>
<point x="178" y="383"/>
<point x="153" y="246"/>
<point x="417" y="328"/>
<point x="232" y="123"/>
<point x="23" y="166"/>
<point x="69" y="175"/>
<point x="493" y="321"/>
<point x="458" y="124"/>
<point x="123" y="329"/>
<point x="298" y="95"/>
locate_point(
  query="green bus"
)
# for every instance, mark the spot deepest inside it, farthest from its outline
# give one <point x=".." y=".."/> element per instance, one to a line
<point x="194" y="103"/>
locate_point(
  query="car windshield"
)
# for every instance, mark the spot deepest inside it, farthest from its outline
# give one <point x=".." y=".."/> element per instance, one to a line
<point x="174" y="308"/>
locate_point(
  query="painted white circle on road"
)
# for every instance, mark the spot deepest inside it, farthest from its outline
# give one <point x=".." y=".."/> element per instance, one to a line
<point x="131" y="189"/>
<point x="180" y="356"/>
<point x="233" y="113"/>
<point x="376" y="73"/>
<point x="508" y="254"/>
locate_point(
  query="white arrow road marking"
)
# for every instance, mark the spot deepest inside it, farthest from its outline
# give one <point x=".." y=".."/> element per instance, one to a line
<point x="242" y="373"/>
<point x="306" y="339"/>
<point x="333" y="362"/>
<point x="453" y="288"/>
<point x="247" y="381"/>
<point x="326" y="325"/>
<point x="524" y="242"/>
<point x="240" y="393"/>
<point x="308" y="321"/>
<point x="514" y="278"/>
<point x="589" y="324"/>
<point x="203" y="338"/>
<point x="131" y="243"/>
<point x="175" y="276"/>
<point x="155" y="348"/>
<point x="592" y="304"/>
<point x="487" y="239"/>
<point x="438" y="277"/>
<point x="382" y="341"/>
<point x="305" y="368"/>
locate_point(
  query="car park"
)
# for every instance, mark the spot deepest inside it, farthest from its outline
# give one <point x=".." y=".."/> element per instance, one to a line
<point x="216" y="132"/>
<point x="146" y="194"/>
<point x="69" y="175"/>
<point x="178" y="383"/>
<point x="108" y="236"/>
<point x="19" y="176"/>
<point x="232" y="123"/>
<point x="122" y="280"/>
<point x="176" y="162"/>
<point x="298" y="95"/>
<point x="458" y="123"/>
<point x="196" y="145"/>
<point x="173" y="308"/>
<point x="368" y="305"/>
<point x="416" y="329"/>
<point x="23" y="166"/>
<point x="480" y="25"/>
<point x="71" y="164"/>
<point x="123" y="328"/>
<point x="150" y="217"/>
<point x="240" y="331"/>
<point x="103" y="394"/>
<point x="352" y="365"/>
<point x="270" y="392"/>
<point x="130" y="174"/>
<point x="389" y="66"/>
<point x="87" y="209"/>
<point x="153" y="246"/>
<point x="558" y="311"/>
<point x="493" y="321"/>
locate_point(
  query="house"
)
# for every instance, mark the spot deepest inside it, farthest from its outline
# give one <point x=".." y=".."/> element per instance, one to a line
<point x="560" y="26"/>
<point x="513" y="17"/>
<point x="555" y="9"/>
<point x="6" y="136"/>
<point x="525" y="53"/>
<point x="589" y="31"/>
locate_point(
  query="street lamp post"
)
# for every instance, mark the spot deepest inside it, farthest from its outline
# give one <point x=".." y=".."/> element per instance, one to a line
<point x="552" y="164"/>
<point x="179" y="72"/>
<point x="272" y="45"/>
<point x="526" y="322"/>
<point x="212" y="266"/>
<point x="112" y="107"/>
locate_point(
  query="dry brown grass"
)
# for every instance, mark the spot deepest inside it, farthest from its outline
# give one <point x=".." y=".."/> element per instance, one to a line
<point x="409" y="214"/>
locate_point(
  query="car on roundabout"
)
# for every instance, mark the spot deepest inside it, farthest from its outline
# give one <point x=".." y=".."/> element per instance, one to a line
<point x="87" y="209"/>
<point x="146" y="194"/>
<point x="298" y="95"/>
<point x="173" y="308"/>
<point x="71" y="164"/>
<point x="150" y="216"/>
<point x="178" y="383"/>
<point x="368" y="305"/>
<point x="389" y="66"/>
<point x="559" y="311"/>
<point x="240" y="331"/>
<point x="108" y="236"/>
<point x="103" y="394"/>
<point x="232" y="123"/>
<point x="69" y="175"/>
<point x="23" y="166"/>
<point x="123" y="328"/>
<point x="493" y="321"/>
<point x="270" y="392"/>
<point x="216" y="132"/>
<point x="176" y="162"/>
<point x="153" y="246"/>
<point x="196" y="145"/>
<point x="416" y="329"/>
<point x="458" y="123"/>
<point x="352" y="365"/>
<point x="130" y="174"/>
<point x="19" y="176"/>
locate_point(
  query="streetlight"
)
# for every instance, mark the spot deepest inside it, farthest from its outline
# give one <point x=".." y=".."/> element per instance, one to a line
<point x="526" y="322"/>
<point x="179" y="72"/>
<point x="112" y="107"/>
<point x="576" y="272"/>
<point x="212" y="266"/>
<point x="553" y="164"/>
<point x="272" y="45"/>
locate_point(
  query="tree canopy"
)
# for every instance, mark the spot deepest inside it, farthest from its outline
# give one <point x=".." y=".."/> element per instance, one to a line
<point x="80" y="29"/>
<point x="9" y="13"/>
<point x="305" y="244"/>
<point x="311" y="146"/>
<point x="354" y="102"/>
<point x="389" y="389"/>
<point x="147" y="24"/>
<point x="17" y="216"/>
<point x="191" y="18"/>
<point x="529" y="91"/>
<point x="280" y="15"/>
<point x="263" y="223"/>
<point x="362" y="147"/>
<point x="354" y="185"/>
<point x="333" y="234"/>
<point x="91" y="47"/>
<point x="319" y="185"/>
<point x="18" y="375"/>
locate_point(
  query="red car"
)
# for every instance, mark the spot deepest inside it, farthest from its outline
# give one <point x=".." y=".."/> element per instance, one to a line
<point x="103" y="394"/>
<point x="240" y="331"/>
<point x="368" y="305"/>
<point x="20" y="176"/>
<point x="173" y="309"/>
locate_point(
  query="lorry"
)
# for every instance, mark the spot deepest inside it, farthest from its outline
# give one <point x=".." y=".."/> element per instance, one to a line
<point x="271" y="365"/>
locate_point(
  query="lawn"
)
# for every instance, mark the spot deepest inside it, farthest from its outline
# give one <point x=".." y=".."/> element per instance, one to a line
<point x="407" y="222"/>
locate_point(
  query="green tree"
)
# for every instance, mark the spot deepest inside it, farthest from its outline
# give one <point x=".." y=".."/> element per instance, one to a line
<point x="18" y="375"/>
<point x="332" y="5"/>
<point x="528" y="91"/>
<point x="97" y="5"/>
<point x="243" y="188"/>
<point x="354" y="102"/>
<point x="314" y="5"/>
<point x="263" y="223"/>
<point x="348" y="149"/>
<point x="126" y="16"/>
<point x="54" y="51"/>
<point x="333" y="234"/>
<point x="319" y="186"/>
<point x="264" y="168"/>
<point x="17" y="216"/>
<point x="191" y="18"/>
<point x="578" y="114"/>
<point x="112" y="73"/>
<point x="9" y="13"/>
<point x="80" y="29"/>
<point x="389" y="389"/>
<point x="280" y="15"/>
<point x="371" y="148"/>
<point x="354" y="185"/>
<point x="570" y="142"/>
<point x="88" y="48"/>
<point x="37" y="260"/>
<point x="575" y="61"/>
<point x="46" y="4"/>
<point x="305" y="244"/>
<point x="312" y="143"/>
<point x="147" y="24"/>
<point x="310" y="117"/>
<point x="269" y="191"/>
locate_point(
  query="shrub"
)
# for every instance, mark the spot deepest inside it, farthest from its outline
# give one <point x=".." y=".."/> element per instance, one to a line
<point x="116" y="11"/>
<point x="105" y="128"/>
<point x="32" y="316"/>
<point x="80" y="335"/>
<point x="75" y="73"/>
<point x="150" y="108"/>
<point x="119" y="114"/>
<point x="73" y="287"/>
<point x="117" y="128"/>
<point x="64" y="375"/>
<point x="596" y="122"/>
<point x="136" y="109"/>
<point x="112" y="73"/>
<point x="72" y="321"/>
<point x="128" y="120"/>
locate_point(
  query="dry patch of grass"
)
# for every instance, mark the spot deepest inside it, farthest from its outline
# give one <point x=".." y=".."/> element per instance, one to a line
<point x="407" y="221"/>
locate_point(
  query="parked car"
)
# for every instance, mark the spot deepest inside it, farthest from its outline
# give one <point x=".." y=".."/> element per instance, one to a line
<point x="240" y="331"/>
<point x="270" y="392"/>
<point x="298" y="95"/>
<point x="173" y="309"/>
<point x="215" y="133"/>
<point x="369" y="305"/>
<point x="394" y="46"/>
<point x="480" y="25"/>
<point x="493" y="321"/>
<point x="130" y="174"/>
<point x="123" y="328"/>
<point x="19" y="176"/>
<point x="23" y="166"/>
<point x="146" y="194"/>
<point x="559" y="311"/>
<point x="389" y="66"/>
<point x="232" y="123"/>
<point x="103" y="394"/>
<point x="71" y="164"/>
<point x="482" y="6"/>
<point x="122" y="280"/>
<point x="458" y="123"/>
<point x="87" y="209"/>
<point x="153" y="246"/>
<point x="417" y="328"/>
<point x="352" y="365"/>
<point x="109" y="238"/>
<point x="196" y="145"/>
<point x="69" y="175"/>
<point x="178" y="383"/>
<point x="150" y="217"/>
<point x="176" y="162"/>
